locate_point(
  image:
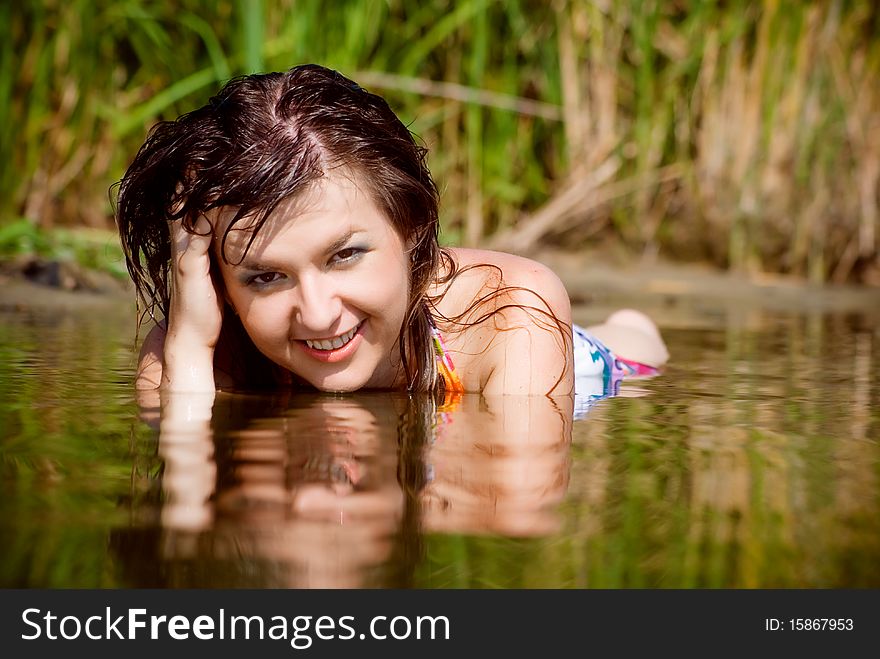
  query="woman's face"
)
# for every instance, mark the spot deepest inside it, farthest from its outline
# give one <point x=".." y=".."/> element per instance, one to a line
<point x="323" y="289"/>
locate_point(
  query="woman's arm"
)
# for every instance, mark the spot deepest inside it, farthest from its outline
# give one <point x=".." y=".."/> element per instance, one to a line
<point x="150" y="359"/>
<point x="178" y="354"/>
<point x="196" y="311"/>
<point x="151" y="363"/>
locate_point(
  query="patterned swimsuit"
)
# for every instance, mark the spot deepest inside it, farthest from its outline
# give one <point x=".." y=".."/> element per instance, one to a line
<point x="597" y="371"/>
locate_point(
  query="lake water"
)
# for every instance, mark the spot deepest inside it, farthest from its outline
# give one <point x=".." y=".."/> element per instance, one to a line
<point x="753" y="461"/>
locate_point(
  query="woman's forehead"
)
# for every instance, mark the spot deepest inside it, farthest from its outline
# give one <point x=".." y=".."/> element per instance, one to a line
<point x="339" y="191"/>
<point x="333" y="205"/>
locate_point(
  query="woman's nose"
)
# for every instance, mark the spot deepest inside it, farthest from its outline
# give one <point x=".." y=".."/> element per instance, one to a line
<point x="319" y="305"/>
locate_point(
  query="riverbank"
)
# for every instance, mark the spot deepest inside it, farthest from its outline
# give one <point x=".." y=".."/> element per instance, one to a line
<point x="689" y="295"/>
<point x="32" y="283"/>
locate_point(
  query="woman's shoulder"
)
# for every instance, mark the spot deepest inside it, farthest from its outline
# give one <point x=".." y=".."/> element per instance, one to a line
<point x="506" y="318"/>
<point x="521" y="280"/>
<point x="466" y="256"/>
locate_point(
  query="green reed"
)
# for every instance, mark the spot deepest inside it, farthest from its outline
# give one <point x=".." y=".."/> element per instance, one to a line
<point x="743" y="133"/>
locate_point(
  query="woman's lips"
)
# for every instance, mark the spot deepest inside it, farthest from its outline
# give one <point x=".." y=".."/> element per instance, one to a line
<point x="338" y="354"/>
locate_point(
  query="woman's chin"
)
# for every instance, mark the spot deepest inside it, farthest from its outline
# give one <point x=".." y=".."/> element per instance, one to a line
<point x="340" y="384"/>
<point x="339" y="389"/>
<point x="359" y="374"/>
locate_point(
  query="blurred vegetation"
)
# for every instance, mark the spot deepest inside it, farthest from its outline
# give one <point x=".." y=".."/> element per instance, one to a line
<point x="95" y="249"/>
<point x="743" y="133"/>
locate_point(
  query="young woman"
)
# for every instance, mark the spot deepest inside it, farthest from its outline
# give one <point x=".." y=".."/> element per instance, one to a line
<point x="288" y="233"/>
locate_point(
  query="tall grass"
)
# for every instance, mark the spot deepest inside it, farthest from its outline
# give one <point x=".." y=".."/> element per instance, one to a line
<point x="744" y="133"/>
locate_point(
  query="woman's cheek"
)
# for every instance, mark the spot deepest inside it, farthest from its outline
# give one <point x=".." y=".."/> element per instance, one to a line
<point x="267" y="319"/>
<point x="395" y="281"/>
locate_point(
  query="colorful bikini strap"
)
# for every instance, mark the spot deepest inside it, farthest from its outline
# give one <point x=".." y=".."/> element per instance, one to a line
<point x="444" y="363"/>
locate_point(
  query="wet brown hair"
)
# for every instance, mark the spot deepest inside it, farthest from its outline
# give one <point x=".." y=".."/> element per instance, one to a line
<point x="261" y="139"/>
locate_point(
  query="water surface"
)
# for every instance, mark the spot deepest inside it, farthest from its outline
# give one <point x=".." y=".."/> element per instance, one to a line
<point x="752" y="462"/>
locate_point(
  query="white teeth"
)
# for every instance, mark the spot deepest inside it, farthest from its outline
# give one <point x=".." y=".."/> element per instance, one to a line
<point x="334" y="343"/>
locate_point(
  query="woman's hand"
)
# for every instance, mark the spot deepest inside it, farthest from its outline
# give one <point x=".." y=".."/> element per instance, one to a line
<point x="196" y="311"/>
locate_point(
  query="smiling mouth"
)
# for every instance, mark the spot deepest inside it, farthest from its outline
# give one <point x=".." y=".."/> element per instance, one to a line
<point x="329" y="470"/>
<point x="336" y="342"/>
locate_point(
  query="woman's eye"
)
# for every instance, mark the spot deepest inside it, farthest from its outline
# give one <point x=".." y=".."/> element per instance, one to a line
<point x="347" y="254"/>
<point x="265" y="278"/>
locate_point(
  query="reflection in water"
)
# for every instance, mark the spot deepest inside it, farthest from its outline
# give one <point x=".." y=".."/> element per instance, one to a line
<point x="337" y="492"/>
<point x="753" y="462"/>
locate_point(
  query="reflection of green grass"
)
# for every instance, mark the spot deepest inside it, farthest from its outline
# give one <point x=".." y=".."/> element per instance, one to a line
<point x="742" y="469"/>
<point x="69" y="435"/>
<point x="456" y="561"/>
<point x="735" y="491"/>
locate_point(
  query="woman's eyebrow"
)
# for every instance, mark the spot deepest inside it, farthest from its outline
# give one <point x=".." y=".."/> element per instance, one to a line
<point x="338" y="244"/>
<point x="255" y="266"/>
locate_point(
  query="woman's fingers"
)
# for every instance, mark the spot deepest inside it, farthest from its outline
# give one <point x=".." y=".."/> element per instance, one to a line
<point x="193" y="287"/>
<point x="190" y="251"/>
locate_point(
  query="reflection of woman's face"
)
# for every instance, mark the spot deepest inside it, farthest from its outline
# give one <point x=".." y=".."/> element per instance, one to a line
<point x="339" y="460"/>
<point x="312" y="459"/>
<point x="318" y="488"/>
<point x="323" y="289"/>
